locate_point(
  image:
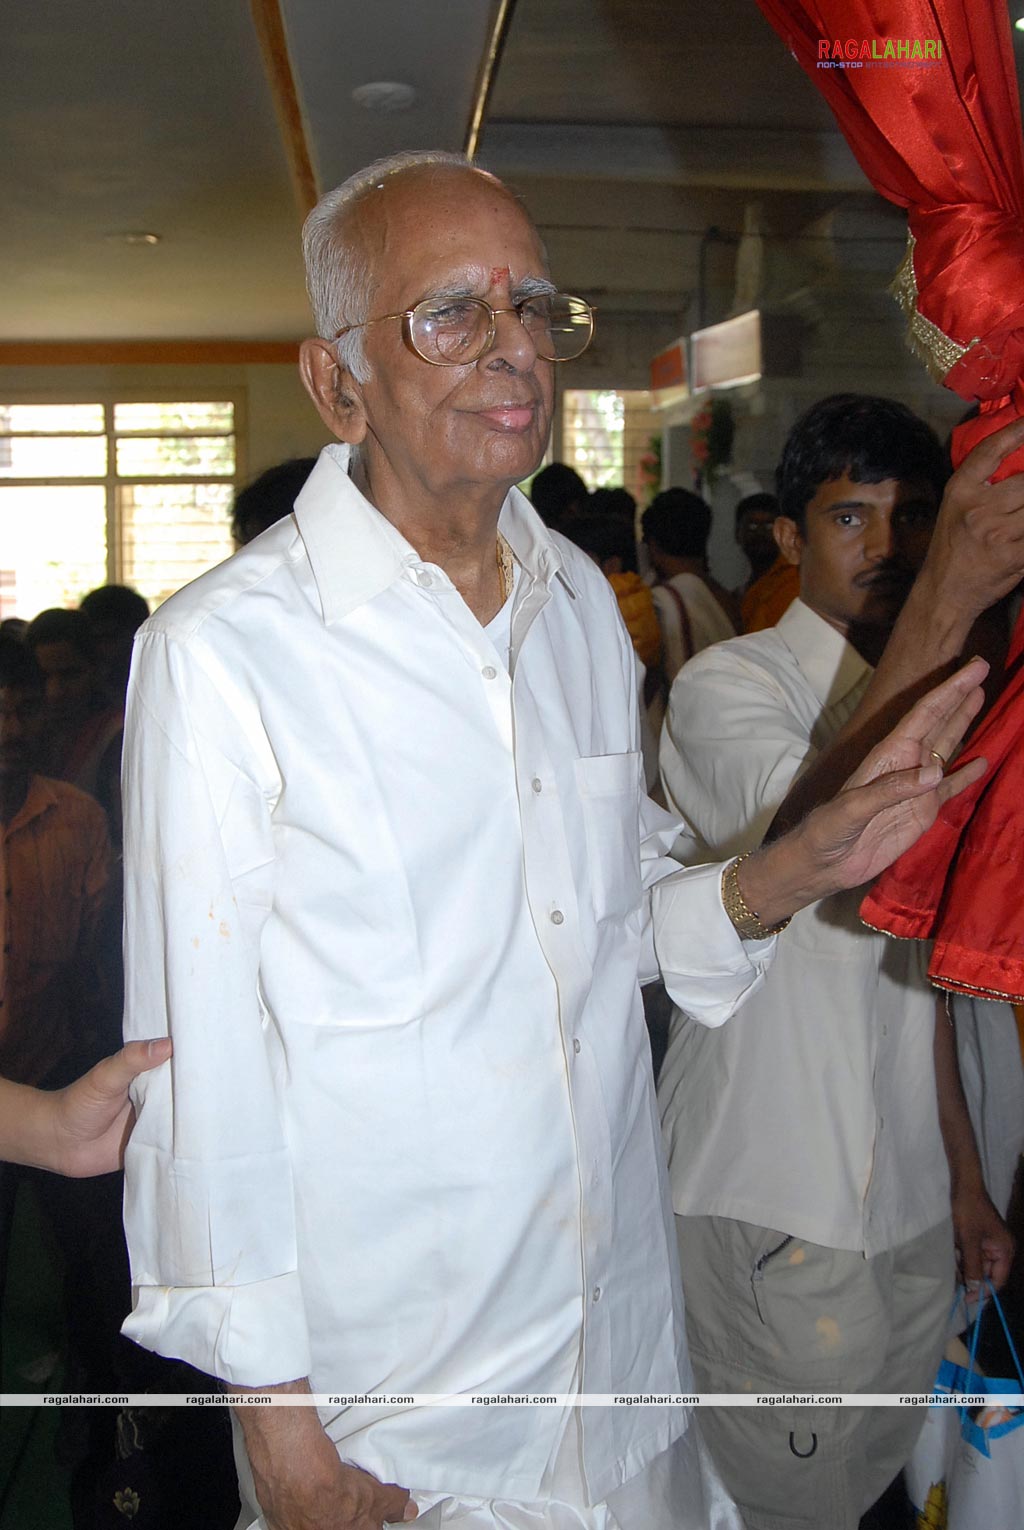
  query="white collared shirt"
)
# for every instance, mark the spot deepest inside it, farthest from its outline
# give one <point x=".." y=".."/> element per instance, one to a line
<point x="387" y="895"/>
<point x="815" y="1111"/>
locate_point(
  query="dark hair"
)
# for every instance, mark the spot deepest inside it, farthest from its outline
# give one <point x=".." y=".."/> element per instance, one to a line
<point x="554" y="490"/>
<point x="59" y="626"/>
<point x="754" y="503"/>
<point x="269" y="498"/>
<point x="115" y="605"/>
<point x="869" y="439"/>
<point x="679" y="521"/>
<point x="617" y="502"/>
<point x="18" y="666"/>
<point x="604" y="536"/>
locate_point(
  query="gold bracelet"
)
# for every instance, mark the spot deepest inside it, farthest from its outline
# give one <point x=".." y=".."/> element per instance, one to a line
<point x="747" y="924"/>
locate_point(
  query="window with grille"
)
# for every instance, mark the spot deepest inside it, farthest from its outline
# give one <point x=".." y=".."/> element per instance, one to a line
<point x="122" y="491"/>
<point x="605" y="434"/>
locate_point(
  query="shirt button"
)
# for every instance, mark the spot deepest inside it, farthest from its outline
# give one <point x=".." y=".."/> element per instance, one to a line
<point x="558" y="917"/>
<point x="536" y="784"/>
<point x="597" y="1294"/>
<point x="489" y="672"/>
<point x="576" y="1044"/>
<point x="424" y="579"/>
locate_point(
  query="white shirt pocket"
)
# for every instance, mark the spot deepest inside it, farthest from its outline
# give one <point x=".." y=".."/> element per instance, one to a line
<point x="609" y="788"/>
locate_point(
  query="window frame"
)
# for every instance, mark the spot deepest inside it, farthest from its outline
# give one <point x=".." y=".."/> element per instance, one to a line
<point x="111" y="481"/>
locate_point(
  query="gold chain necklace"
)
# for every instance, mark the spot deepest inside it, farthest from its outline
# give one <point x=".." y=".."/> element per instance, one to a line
<point x="506" y="570"/>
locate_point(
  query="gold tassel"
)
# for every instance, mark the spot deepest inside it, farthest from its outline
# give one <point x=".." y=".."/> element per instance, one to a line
<point x="937" y="351"/>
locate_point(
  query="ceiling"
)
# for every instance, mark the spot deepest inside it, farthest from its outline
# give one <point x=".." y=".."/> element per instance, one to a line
<point x="631" y="127"/>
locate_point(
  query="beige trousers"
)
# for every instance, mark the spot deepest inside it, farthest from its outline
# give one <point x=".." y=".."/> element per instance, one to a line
<point x="764" y="1313"/>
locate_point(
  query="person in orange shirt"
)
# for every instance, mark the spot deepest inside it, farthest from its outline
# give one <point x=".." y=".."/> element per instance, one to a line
<point x="55" y="1018"/>
<point x="773" y="583"/>
<point x="770" y="597"/>
<point x="56" y="864"/>
<point x="755" y="518"/>
<point x="83" y="728"/>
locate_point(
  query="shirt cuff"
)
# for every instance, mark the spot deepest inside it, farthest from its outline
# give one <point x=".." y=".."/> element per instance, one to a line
<point x="250" y="1336"/>
<point x="707" y="968"/>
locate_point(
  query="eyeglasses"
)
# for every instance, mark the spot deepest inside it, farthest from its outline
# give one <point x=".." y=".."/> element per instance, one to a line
<point x="456" y="331"/>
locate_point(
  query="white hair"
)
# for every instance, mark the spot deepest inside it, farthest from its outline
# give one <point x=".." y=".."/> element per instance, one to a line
<point x="338" y="279"/>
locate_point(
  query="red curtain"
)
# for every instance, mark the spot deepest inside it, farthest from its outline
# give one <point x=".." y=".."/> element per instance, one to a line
<point x="941" y="136"/>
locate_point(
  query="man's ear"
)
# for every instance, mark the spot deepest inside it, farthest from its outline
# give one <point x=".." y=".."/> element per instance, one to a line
<point x="334" y="391"/>
<point x="788" y="539"/>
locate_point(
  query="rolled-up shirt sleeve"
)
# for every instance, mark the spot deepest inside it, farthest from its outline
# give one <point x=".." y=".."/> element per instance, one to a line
<point x="688" y="938"/>
<point x="209" y="1208"/>
<point x="707" y="969"/>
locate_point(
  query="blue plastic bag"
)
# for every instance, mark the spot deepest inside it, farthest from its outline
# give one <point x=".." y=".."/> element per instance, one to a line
<point x="968" y="1473"/>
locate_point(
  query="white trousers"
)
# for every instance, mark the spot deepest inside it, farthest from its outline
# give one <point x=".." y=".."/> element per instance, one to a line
<point x="679" y="1490"/>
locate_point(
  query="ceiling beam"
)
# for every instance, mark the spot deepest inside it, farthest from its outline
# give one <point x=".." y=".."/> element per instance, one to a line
<point x="488" y="74"/>
<point x="277" y="66"/>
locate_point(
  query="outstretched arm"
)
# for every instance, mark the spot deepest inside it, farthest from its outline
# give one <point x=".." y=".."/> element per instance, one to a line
<point x="885" y="806"/>
<point x="80" y="1130"/>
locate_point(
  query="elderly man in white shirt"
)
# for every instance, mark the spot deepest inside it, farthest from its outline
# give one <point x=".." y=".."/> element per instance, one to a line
<point x="808" y="1141"/>
<point x="391" y="884"/>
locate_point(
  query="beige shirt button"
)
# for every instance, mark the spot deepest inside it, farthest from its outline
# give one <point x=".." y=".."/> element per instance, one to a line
<point x="489" y="672"/>
<point x="558" y="917"/>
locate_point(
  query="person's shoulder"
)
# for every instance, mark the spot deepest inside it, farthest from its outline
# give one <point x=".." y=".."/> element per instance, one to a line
<point x="749" y="674"/>
<point x="755" y="653"/>
<point x="70" y="801"/>
<point x="217" y="591"/>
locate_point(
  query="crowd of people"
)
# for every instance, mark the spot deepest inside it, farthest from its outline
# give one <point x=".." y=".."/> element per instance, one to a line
<point x="393" y="877"/>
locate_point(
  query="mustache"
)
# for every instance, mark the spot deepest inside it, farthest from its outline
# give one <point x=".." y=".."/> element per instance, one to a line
<point x="889" y="573"/>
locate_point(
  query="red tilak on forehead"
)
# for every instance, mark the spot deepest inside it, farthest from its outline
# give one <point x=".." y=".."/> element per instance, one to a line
<point x="498" y="274"/>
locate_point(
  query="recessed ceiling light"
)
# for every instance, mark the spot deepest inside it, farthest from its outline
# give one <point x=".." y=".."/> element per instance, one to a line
<point x="1019" y="23"/>
<point x="134" y="236"/>
<point x="384" y="96"/>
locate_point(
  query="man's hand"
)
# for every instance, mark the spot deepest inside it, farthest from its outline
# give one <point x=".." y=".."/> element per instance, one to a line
<point x="300" y="1481"/>
<point x="977" y="550"/>
<point x="884" y="808"/>
<point x="80" y="1130"/>
<point x="984" y="1243"/>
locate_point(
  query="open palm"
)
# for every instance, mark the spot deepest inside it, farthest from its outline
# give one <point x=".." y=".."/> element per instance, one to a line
<point x="895" y="794"/>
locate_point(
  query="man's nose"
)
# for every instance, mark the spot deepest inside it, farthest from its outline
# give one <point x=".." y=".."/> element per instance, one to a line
<point x="880" y="539"/>
<point x="512" y="342"/>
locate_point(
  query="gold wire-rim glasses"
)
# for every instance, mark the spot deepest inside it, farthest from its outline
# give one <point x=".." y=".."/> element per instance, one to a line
<point x="575" y="308"/>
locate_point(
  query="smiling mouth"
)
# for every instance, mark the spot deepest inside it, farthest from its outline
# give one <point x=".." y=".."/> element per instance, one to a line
<point x="510" y="417"/>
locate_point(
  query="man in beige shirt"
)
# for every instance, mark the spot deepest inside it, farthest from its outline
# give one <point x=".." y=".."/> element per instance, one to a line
<point x="806" y="1139"/>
